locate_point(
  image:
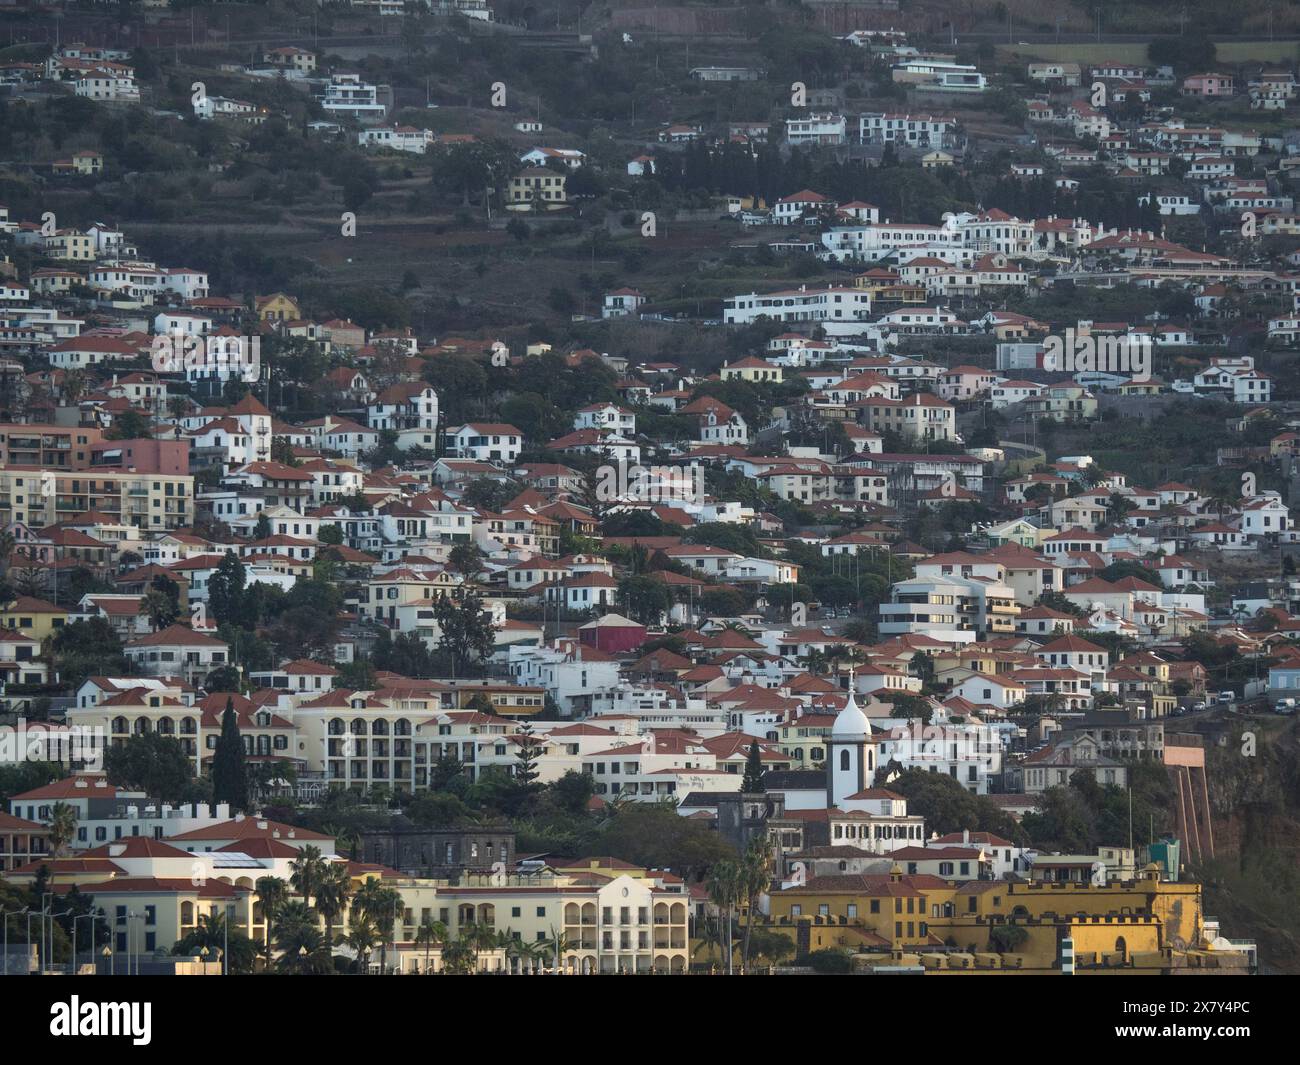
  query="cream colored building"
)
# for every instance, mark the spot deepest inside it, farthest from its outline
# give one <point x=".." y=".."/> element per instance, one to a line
<point x="43" y="497"/>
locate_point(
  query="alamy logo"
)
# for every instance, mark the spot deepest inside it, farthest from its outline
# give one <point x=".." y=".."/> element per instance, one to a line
<point x="1127" y="355"/>
<point x="226" y="357"/>
<point x="83" y="743"/>
<point x="620" y="482"/>
<point x="77" y="1018"/>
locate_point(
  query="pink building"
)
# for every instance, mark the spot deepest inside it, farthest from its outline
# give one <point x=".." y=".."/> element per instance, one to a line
<point x="1208" y="85"/>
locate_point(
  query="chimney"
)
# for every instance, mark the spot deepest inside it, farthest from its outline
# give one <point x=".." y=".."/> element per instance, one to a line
<point x="965" y="835"/>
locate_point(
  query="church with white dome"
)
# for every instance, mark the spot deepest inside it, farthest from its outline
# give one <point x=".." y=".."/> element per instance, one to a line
<point x="850" y="754"/>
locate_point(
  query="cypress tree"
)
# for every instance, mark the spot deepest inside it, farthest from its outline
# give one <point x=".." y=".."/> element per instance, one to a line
<point x="753" y="781"/>
<point x="229" y="778"/>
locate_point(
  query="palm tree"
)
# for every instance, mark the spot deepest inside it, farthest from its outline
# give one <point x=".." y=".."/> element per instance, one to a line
<point x="514" y="947"/>
<point x="380" y="904"/>
<point x="362" y="937"/>
<point x="709" y="936"/>
<point x="485" y="937"/>
<point x="332" y="897"/>
<point x="724" y="891"/>
<point x="159" y="608"/>
<point x="299" y="941"/>
<point x="212" y="935"/>
<point x="459" y="956"/>
<point x="430" y="934"/>
<point x="272" y="893"/>
<point x="308" y="869"/>
<point x="754" y="877"/>
<point x="62" y="827"/>
<point x="559" y="945"/>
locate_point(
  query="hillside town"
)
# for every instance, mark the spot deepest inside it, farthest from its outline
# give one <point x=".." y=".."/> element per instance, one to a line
<point x="830" y="515"/>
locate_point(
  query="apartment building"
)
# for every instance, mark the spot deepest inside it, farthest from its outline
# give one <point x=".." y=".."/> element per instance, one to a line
<point x="45" y="496"/>
<point x="954" y="609"/>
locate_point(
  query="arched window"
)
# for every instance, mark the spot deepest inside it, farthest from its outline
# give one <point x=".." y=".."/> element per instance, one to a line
<point x="844" y="760"/>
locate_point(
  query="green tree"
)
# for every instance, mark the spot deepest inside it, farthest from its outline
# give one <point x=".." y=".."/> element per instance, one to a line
<point x="725" y="890"/>
<point x="430" y="934"/>
<point x="527" y="751"/>
<point x="1007" y="938"/>
<point x="299" y="942"/>
<point x="466" y="559"/>
<point x="154" y="764"/>
<point x="645" y="598"/>
<point x="753" y="780"/>
<point x="86" y="648"/>
<point x="226" y="591"/>
<point x="362" y="937"/>
<point x="160" y="608"/>
<point x="381" y="905"/>
<point x="229" y="777"/>
<point x="331" y="898"/>
<point x="62" y="827"/>
<point x="653" y="834"/>
<point x="307" y="871"/>
<point x="753" y="877"/>
<point x="272" y="893"/>
<point x="129" y="425"/>
<point x="467" y="632"/>
<point x="211" y="934"/>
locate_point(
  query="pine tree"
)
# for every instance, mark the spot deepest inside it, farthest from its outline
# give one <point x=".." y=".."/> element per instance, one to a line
<point x="753" y="781"/>
<point x="229" y="777"/>
<point x="526" y="755"/>
<point x="263" y="528"/>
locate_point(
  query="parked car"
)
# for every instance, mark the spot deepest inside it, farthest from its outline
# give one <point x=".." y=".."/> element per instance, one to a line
<point x="1285" y="706"/>
<point x="1227" y="697"/>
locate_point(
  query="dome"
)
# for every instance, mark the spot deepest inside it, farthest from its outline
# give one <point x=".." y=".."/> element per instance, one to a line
<point x="851" y="722"/>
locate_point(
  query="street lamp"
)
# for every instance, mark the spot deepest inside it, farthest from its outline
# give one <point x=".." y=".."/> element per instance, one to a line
<point x="4" y="916"/>
<point x="61" y="913"/>
<point x="42" y="954"/>
<point x="107" y="952"/>
<point x="37" y="915"/>
<point x="203" y="953"/>
<point x="83" y="917"/>
<point x="131" y="953"/>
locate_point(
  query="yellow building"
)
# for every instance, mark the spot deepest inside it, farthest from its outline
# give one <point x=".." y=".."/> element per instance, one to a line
<point x="803" y="739"/>
<point x="278" y="307"/>
<point x="33" y="617"/>
<point x="755" y="371"/>
<point x="507" y="700"/>
<point x="1141" y="925"/>
<point x="537" y="189"/>
<point x="68" y="245"/>
<point x="861" y="912"/>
